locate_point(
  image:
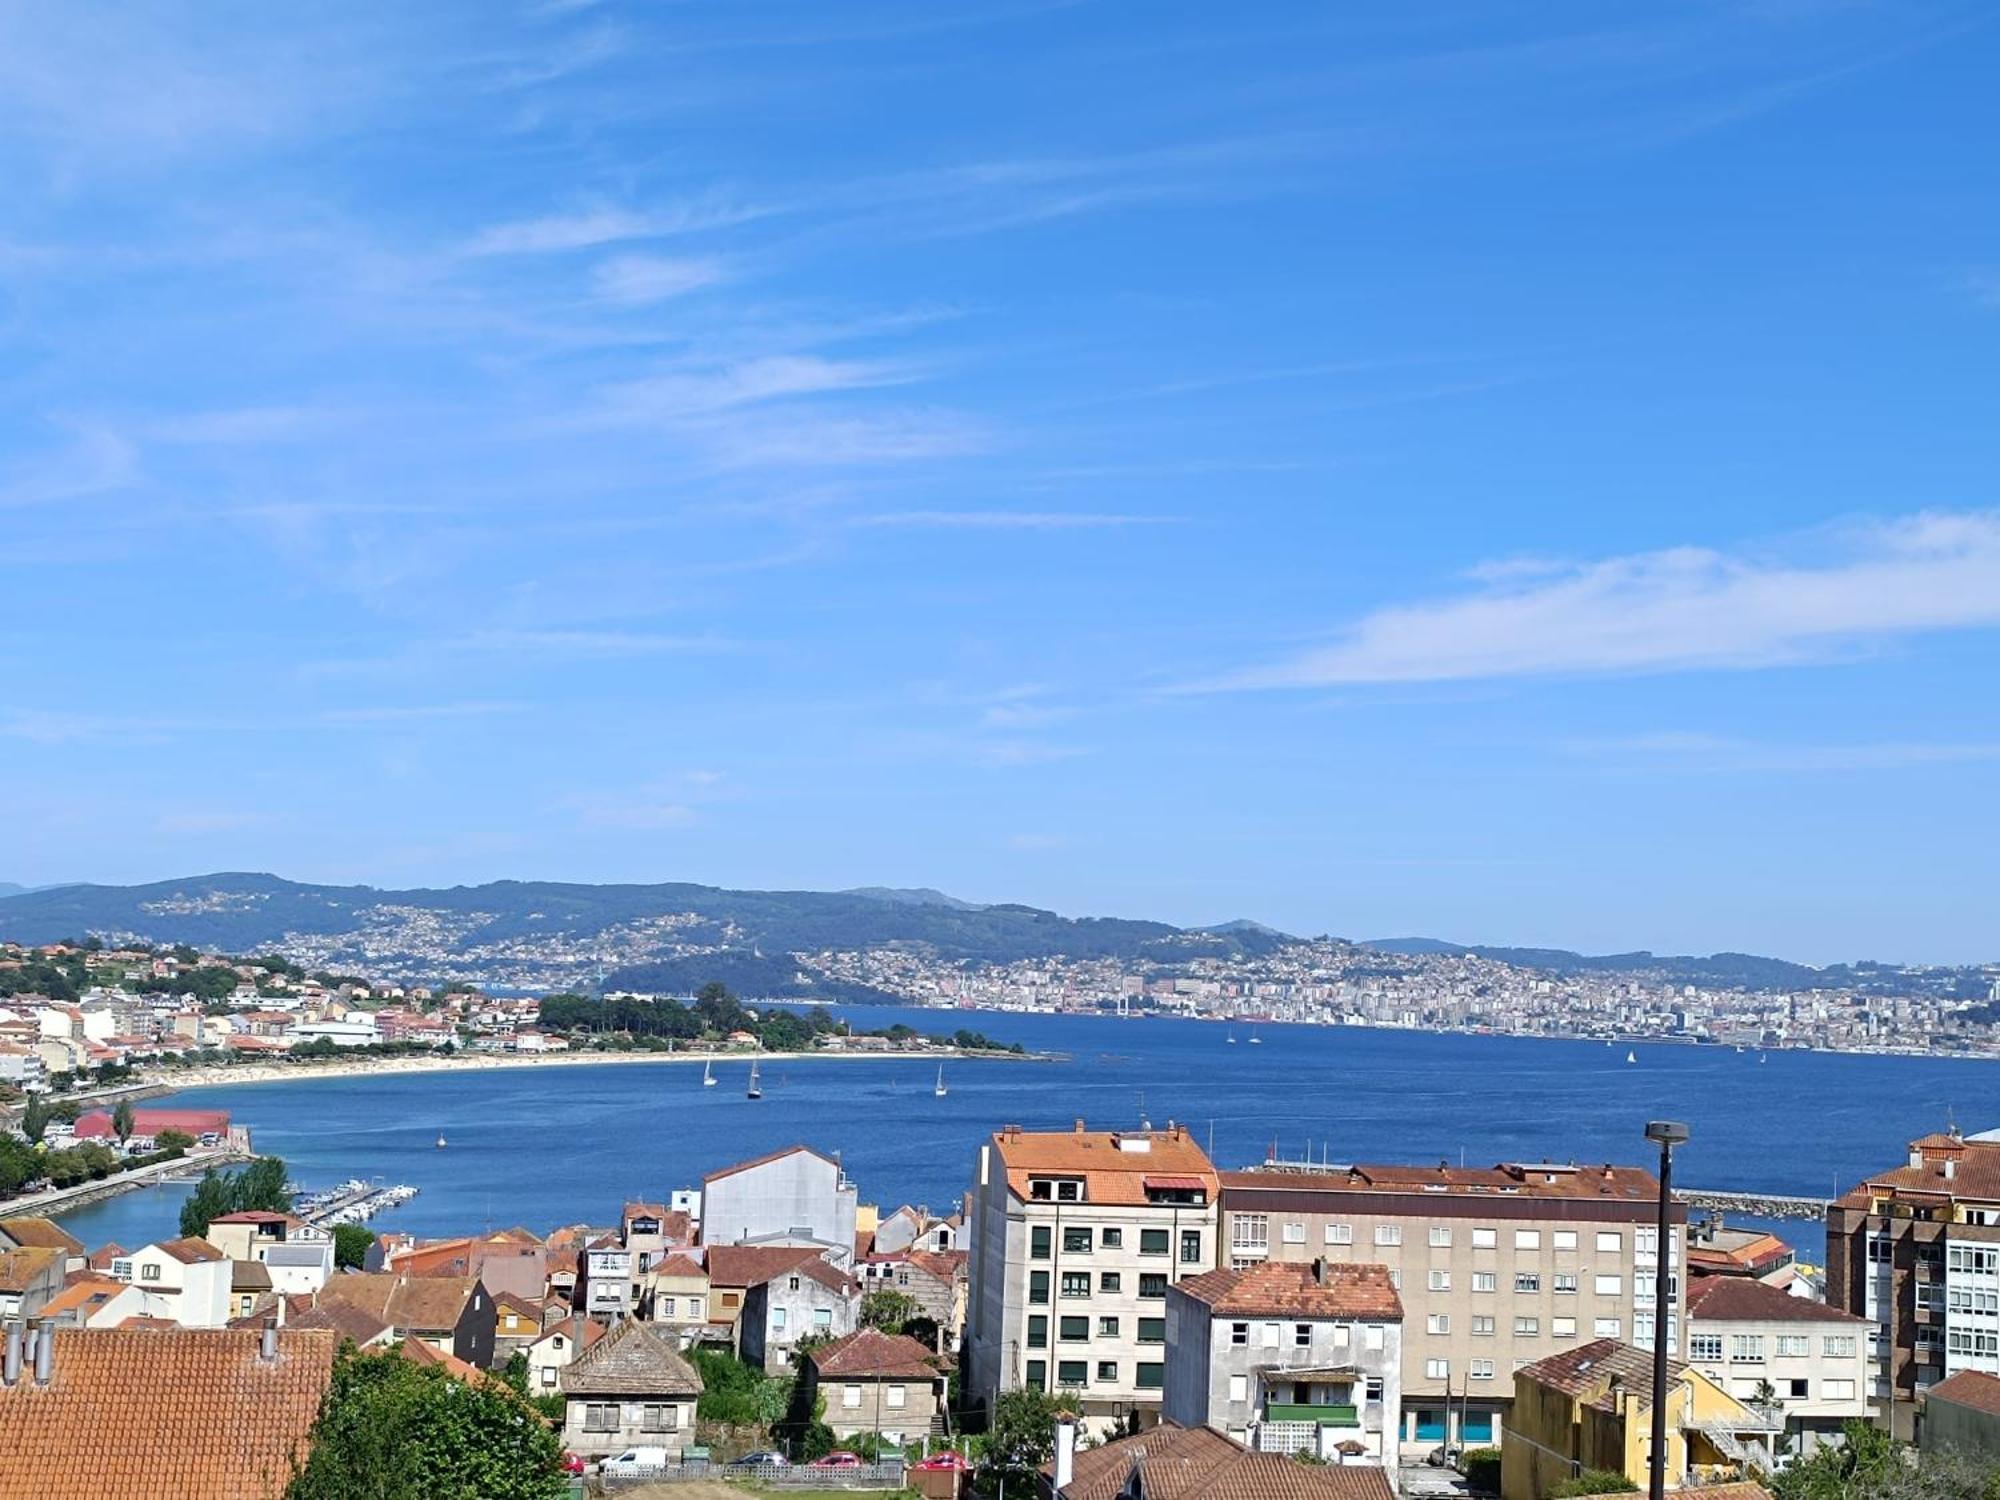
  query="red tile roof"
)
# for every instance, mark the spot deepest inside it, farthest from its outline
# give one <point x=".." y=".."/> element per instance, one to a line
<point x="871" y="1354"/>
<point x="1970" y="1388"/>
<point x="1112" y="1172"/>
<point x="1586" y="1371"/>
<point x="190" y="1251"/>
<point x="21" y="1269"/>
<point x="1196" y="1463"/>
<point x="753" y="1265"/>
<point x="1975" y="1172"/>
<point x="40" y="1234"/>
<point x="1292" y="1289"/>
<point x="168" y="1414"/>
<point x="1738" y="1299"/>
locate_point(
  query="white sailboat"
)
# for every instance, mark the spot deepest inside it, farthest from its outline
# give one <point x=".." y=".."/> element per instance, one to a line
<point x="1255" y="1040"/>
<point x="939" y="1091"/>
<point x="756" y="1089"/>
<point x="1232" y="1039"/>
<point x="708" y="1074"/>
<point x="441" y="1141"/>
<point x="1631" y="1057"/>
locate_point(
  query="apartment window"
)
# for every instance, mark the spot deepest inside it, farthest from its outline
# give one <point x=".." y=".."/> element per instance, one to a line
<point x="600" y="1417"/>
<point x="1606" y="1328"/>
<point x="1190" y="1247"/>
<point x="1107" y="1328"/>
<point x="1746" y="1348"/>
<point x="1152" y="1330"/>
<point x="1482" y="1369"/>
<point x="1437" y="1369"/>
<point x="1438" y="1323"/>
<point x="1396" y="1279"/>
<point x="1527" y="1281"/>
<point x="1388" y="1234"/>
<point x="121" y="1270"/>
<point x="1268" y="1335"/>
<point x="1440" y="1281"/>
<point x="1563" y="1239"/>
<point x="1562" y="1328"/>
<point x="1239" y="1334"/>
<point x="778" y="1315"/>
<point x="1440" y="1234"/>
<point x="1372" y="1391"/>
<point x="1077" y="1239"/>
<point x="1800" y="1389"/>
<point x="1485" y="1238"/>
<point x="1646" y="1243"/>
<point x="659" y="1419"/>
<point x="1076" y="1283"/>
<point x="1239" y="1388"/>
<point x="1705" y="1346"/>
<point x="1836" y="1390"/>
<point x="1302" y="1335"/>
<point x="1038" y="1242"/>
<point x="1565" y="1283"/>
<point x="1793" y="1346"/>
<point x="1340" y="1234"/>
<point x="1152" y="1284"/>
<point x="1295" y="1233"/>
<point x="1608" y="1286"/>
<point x="1341" y="1334"/>
<point x="1527" y="1328"/>
<point x="1152" y="1242"/>
<point x="1880" y="1254"/>
<point x="1038" y="1330"/>
<point x="1107" y="1372"/>
<point x="1527" y="1239"/>
<point x="1112" y="1239"/>
<point x="1149" y="1377"/>
<point x="1038" y="1286"/>
<point x="1074" y="1330"/>
<point x="1610" y="1242"/>
<point x="1839" y="1346"/>
<point x="822" y="1317"/>
<point x="1108" y="1281"/>
<point x="1372" y="1336"/>
<point x="1485" y="1281"/>
<point x="1038" y="1374"/>
<point x="1073" y="1372"/>
<point x="1482" y="1327"/>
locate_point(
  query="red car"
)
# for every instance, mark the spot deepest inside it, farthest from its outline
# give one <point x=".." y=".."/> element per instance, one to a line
<point x="840" y="1458"/>
<point x="946" y="1462"/>
<point x="572" y="1463"/>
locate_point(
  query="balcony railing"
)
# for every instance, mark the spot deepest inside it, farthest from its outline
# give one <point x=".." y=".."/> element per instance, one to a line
<point x="1328" y="1413"/>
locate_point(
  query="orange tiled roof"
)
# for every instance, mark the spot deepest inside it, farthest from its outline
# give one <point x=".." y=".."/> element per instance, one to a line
<point x="752" y="1265"/>
<point x="189" y="1251"/>
<point x="1586" y="1371"/>
<point x="1111" y="1174"/>
<point x="21" y="1269"/>
<point x="31" y="1233"/>
<point x="1738" y="1299"/>
<point x="870" y="1353"/>
<point x="1196" y="1463"/>
<point x="679" y="1265"/>
<point x="1293" y="1289"/>
<point x="1973" y="1388"/>
<point x="168" y="1414"/>
<point x="84" y="1295"/>
<point x="424" y="1303"/>
<point x="1975" y="1171"/>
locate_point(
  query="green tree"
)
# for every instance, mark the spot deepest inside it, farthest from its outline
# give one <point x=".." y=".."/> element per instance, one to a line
<point x="393" y="1430"/>
<point x="890" y="1311"/>
<point x="261" y="1185"/>
<point x="351" y="1243"/>
<point x="1022" y="1436"/>
<point x="35" y="1118"/>
<point x="124" y="1121"/>
<point x="175" y="1141"/>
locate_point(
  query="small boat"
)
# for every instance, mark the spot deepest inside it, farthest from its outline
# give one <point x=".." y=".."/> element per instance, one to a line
<point x="1739" y="1051"/>
<point x="708" y="1074"/>
<point x="939" y="1091"/>
<point x="1631" y="1057"/>
<point x="441" y="1142"/>
<point x="1256" y="1040"/>
<point x="1763" y="1057"/>
<point x="1232" y="1039"/>
<point x="756" y="1089"/>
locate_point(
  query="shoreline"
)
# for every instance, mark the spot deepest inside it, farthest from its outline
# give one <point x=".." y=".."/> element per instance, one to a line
<point x="365" y="1067"/>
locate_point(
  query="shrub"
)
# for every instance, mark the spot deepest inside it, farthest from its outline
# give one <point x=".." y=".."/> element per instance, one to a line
<point x="1482" y="1469"/>
<point x="1594" y="1482"/>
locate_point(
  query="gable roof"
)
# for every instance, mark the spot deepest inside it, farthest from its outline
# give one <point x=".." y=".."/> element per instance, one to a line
<point x="171" y="1414"/>
<point x="766" y="1159"/>
<point x="679" y="1264"/>
<point x="32" y="1233"/>
<point x="21" y="1269"/>
<point x="1111" y="1172"/>
<point x="1295" y="1289"/>
<point x="249" y="1276"/>
<point x="1586" y="1372"/>
<point x="1739" y="1299"/>
<point x="83" y="1295"/>
<point x="752" y="1265"/>
<point x="344" y="1320"/>
<point x="1969" y="1388"/>
<point x="421" y="1302"/>
<point x="629" y="1361"/>
<point x="187" y="1250"/>
<point x="1198" y="1463"/>
<point x="945" y="1265"/>
<point x="870" y="1353"/>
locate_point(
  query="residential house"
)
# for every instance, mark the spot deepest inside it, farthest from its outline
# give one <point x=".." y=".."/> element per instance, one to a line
<point x="677" y="1291"/>
<point x="1089" y="1224"/>
<point x="81" y="1302"/>
<point x="877" y="1382"/>
<point x="1961" y="1414"/>
<point x="797" y="1196"/>
<point x="1591" y="1408"/>
<point x="916" y="1228"/>
<point x="23" y="1067"/>
<point x="30" y="1233"/>
<point x="168" y="1414"/>
<point x="935" y="1281"/>
<point x="734" y="1269"/>
<point x="185" y="1281"/>
<point x="630" y="1388"/>
<point x="298" y="1255"/>
<point x="28" y="1279"/>
<point x="345" y="1321"/>
<point x="1287" y="1358"/>
<point x="650" y="1230"/>
<point x="1767" y="1348"/>
<point x="1170" y="1462"/>
<point x="1497" y="1266"/>
<point x="455" y="1313"/>
<point x="249" y="1287"/>
<point x="605" y="1279"/>
<point x="517" y="1323"/>
<point x="550" y="1354"/>
<point x="813" y="1299"/>
<point x="507" y="1261"/>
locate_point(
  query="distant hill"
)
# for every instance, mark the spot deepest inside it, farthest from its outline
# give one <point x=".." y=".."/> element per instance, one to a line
<point x="1721" y="969"/>
<point x="920" y="896"/>
<point x="8" y="888"/>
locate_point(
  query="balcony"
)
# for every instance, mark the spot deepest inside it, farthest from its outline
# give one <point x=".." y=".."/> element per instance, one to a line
<point x="1326" y="1414"/>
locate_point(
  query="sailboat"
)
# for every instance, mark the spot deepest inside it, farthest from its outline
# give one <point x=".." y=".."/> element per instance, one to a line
<point x="1232" y="1039"/>
<point x="708" y="1074"/>
<point x="1631" y="1057"/>
<point x="440" y="1140"/>
<point x="756" y="1089"/>
<point x="939" y="1091"/>
<point x="1256" y="1040"/>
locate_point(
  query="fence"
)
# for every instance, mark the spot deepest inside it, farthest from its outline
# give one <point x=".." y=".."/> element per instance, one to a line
<point x="884" y="1476"/>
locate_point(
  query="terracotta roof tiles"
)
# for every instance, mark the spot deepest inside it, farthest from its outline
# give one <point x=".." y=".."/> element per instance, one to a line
<point x="1971" y="1388"/>
<point x="21" y="1269"/>
<point x="870" y="1353"/>
<point x="1586" y="1371"/>
<point x="1112" y="1171"/>
<point x="1292" y="1289"/>
<point x="1738" y="1299"/>
<point x="1196" y="1463"/>
<point x="630" y="1361"/>
<point x="31" y="1233"/>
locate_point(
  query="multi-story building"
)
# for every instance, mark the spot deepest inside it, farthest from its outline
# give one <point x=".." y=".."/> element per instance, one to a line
<point x="798" y="1197"/>
<point x="1289" y="1358"/>
<point x="1497" y="1266"/>
<point x="1076" y="1237"/>
<point x="1916" y="1251"/>
<point x="1800" y="1359"/>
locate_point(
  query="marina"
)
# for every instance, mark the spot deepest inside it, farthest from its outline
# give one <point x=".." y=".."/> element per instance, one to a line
<point x="352" y="1202"/>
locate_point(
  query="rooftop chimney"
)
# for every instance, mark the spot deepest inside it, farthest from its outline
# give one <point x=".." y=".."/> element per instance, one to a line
<point x="1065" y="1460"/>
<point x="1916" y="1154"/>
<point x="267" y="1346"/>
<point x="31" y="1336"/>
<point x="1319" y="1270"/>
<point x="1950" y="1167"/>
<point x="10" y="1367"/>
<point x="45" y="1356"/>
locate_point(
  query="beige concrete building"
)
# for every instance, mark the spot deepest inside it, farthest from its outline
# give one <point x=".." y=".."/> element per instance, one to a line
<point x="877" y="1382"/>
<point x="1747" y="1336"/>
<point x="1497" y="1266"/>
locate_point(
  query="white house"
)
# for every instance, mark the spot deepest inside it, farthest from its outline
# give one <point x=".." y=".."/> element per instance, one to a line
<point x="184" y="1281"/>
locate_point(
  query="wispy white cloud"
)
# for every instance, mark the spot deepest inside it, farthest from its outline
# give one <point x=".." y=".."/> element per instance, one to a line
<point x="1003" y="520"/>
<point x="1683" y="609"/>
<point x="588" y="228"/>
<point x="416" y="713"/>
<point x="245" y="426"/>
<point x="640" y="279"/>
<point x="792" y="441"/>
<point x="1680" y="750"/>
<point x="581" y="645"/>
<point x="774" y="377"/>
<point x="95" y="461"/>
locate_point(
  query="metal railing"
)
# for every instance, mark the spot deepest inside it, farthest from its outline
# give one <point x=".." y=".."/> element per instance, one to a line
<point x="882" y="1476"/>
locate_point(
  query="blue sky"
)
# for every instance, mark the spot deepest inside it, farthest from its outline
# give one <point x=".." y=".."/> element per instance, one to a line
<point x="1510" y="473"/>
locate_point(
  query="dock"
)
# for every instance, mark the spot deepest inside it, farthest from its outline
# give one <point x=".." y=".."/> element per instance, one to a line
<point x="353" y="1202"/>
<point x="1754" y="1205"/>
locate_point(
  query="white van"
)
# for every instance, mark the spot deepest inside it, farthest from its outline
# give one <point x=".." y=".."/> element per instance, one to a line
<point x="637" y="1461"/>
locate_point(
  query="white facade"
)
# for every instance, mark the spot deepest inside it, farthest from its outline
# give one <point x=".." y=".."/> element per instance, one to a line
<point x="793" y="1197"/>
<point x="185" y="1287"/>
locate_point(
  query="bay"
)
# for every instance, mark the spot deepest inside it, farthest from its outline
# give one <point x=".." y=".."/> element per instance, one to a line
<point x="542" y="1147"/>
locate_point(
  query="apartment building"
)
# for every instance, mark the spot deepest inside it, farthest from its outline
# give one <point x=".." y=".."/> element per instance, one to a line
<point x="1916" y="1251"/>
<point x="1497" y="1266"/>
<point x="1800" y="1359"/>
<point x="1076" y="1237"/>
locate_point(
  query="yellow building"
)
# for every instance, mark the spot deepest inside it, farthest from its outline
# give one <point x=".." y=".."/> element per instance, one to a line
<point x="1592" y="1408"/>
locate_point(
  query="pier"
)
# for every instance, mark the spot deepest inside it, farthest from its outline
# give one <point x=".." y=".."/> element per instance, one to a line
<point x="1754" y="1205"/>
<point x="353" y="1202"/>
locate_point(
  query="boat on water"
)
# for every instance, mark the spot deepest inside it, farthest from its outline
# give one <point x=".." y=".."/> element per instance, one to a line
<point x="1631" y="1057"/>
<point x="441" y="1140"/>
<point x="756" y="1089"/>
<point x="708" y="1075"/>
<point x="1232" y="1039"/>
<point x="939" y="1091"/>
<point x="1256" y="1040"/>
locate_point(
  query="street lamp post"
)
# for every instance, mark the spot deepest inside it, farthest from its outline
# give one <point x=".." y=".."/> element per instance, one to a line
<point x="1667" y="1134"/>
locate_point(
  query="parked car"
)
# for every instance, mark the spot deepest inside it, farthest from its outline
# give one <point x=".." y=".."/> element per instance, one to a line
<point x="572" y="1463"/>
<point x="637" y="1461"/>
<point x="764" y="1460"/>
<point x="840" y="1458"/>
<point x="946" y="1462"/>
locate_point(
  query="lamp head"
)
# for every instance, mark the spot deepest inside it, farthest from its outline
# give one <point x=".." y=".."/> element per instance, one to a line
<point x="1667" y="1133"/>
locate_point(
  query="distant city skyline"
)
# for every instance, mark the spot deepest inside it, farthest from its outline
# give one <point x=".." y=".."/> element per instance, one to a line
<point x="1511" y="476"/>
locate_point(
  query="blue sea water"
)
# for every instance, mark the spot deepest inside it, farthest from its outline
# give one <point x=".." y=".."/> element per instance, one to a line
<point x="548" y="1146"/>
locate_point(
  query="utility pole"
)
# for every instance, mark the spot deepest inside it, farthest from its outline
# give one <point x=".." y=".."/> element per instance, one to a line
<point x="1667" y="1134"/>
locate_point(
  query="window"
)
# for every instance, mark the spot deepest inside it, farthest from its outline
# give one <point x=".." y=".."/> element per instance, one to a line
<point x="1074" y="1372"/>
<point x="1302" y="1335"/>
<point x="1440" y="1234"/>
<point x="1527" y="1281"/>
<point x="1372" y="1391"/>
<point x="1149" y="1377"/>
<point x="1112" y="1239"/>
<point x="1800" y="1389"/>
<point x="1836" y="1390"/>
<point x="1610" y="1242"/>
<point x="1388" y="1234"/>
<point x="1340" y="1234"/>
<point x="1341" y="1334"/>
<point x="1563" y="1239"/>
<point x="1073" y="1330"/>
<point x="1152" y="1330"/>
<point x="666" y="1307"/>
<point x="1076" y="1283"/>
<point x="1527" y="1239"/>
<point x="1485" y="1281"/>
<point x="1482" y="1327"/>
<point x="1107" y="1372"/>
<point x="794" y="1284"/>
<point x="1077" y="1239"/>
<point x="149" y="1273"/>
<point x="122" y="1270"/>
<point x="1527" y="1328"/>
<point x="1562" y="1328"/>
<point x="1838" y="1346"/>
<point x="1038" y="1330"/>
<point x="1705" y="1346"/>
<point x="1746" y="1348"/>
<point x="659" y="1419"/>
<point x="1565" y="1283"/>
<point x="1268" y="1335"/>
<point x="694" y="1308"/>
<point x="549" y="1373"/>
<point x="778" y="1317"/>
<point x="600" y="1417"/>
<point x="896" y="1394"/>
<point x="1608" y="1286"/>
<point x="1239" y="1334"/>
<point x="1396" y="1279"/>
<point x="1646" y="1244"/>
<point x="1239" y="1388"/>
<point x="1107" y="1328"/>
<point x="1437" y="1369"/>
<point x="1482" y="1369"/>
<point x="1295" y="1233"/>
<point x="1606" y="1328"/>
<point x="1152" y="1284"/>
<point x="822" y="1317"/>
<point x="1038" y="1286"/>
<point x="1108" y="1281"/>
<point x="1485" y="1239"/>
<point x="1438" y="1323"/>
<point x="1372" y="1336"/>
<point x="1038" y="1374"/>
<point x="1440" y="1281"/>
<point x="1038" y="1242"/>
<point x="1152" y="1242"/>
<point x="1190" y="1247"/>
<point x="1793" y="1346"/>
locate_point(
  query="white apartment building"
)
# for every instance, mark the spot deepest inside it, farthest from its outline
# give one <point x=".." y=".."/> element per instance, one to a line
<point x="1497" y="1266"/>
<point x="797" y="1196"/>
<point x="1808" y="1360"/>
<point x="1075" y="1239"/>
